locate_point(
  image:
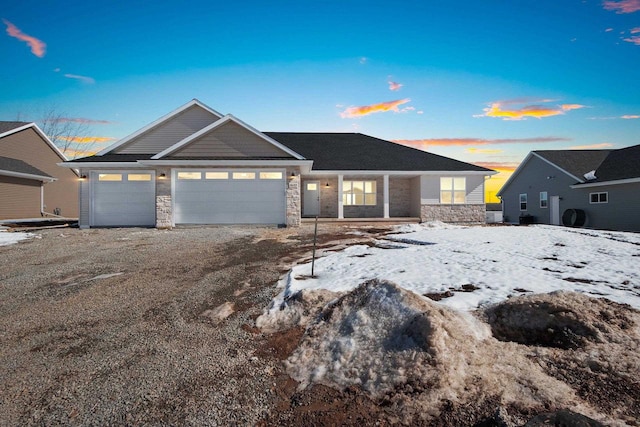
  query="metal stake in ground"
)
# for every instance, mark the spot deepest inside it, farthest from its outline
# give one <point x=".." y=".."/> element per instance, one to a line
<point x="313" y="254"/>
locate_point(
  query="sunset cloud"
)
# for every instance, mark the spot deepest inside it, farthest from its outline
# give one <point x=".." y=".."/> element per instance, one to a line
<point x="382" y="107"/>
<point x="623" y="6"/>
<point x="635" y="30"/>
<point x="592" y="146"/>
<point x="497" y="109"/>
<point x="425" y="143"/>
<point x="88" y="139"/>
<point x="38" y="47"/>
<point x="630" y="116"/>
<point x="498" y="166"/>
<point x="83" y="79"/>
<point x="633" y="39"/>
<point x="474" y="150"/>
<point x="394" y="86"/>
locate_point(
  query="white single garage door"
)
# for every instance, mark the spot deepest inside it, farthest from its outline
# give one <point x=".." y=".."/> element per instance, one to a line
<point x="123" y="198"/>
<point x="229" y="197"/>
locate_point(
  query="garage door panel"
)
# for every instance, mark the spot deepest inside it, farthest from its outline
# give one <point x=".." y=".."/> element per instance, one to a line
<point x="123" y="203"/>
<point x="230" y="201"/>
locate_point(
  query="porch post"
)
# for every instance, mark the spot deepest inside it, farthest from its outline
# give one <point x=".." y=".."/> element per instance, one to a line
<point x="340" y="203"/>
<point x="385" y="190"/>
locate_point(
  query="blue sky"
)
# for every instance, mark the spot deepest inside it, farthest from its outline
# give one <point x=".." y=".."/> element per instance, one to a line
<point x="483" y="82"/>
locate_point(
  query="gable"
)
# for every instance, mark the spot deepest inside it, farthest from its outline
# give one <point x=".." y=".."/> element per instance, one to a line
<point x="168" y="132"/>
<point x="230" y="140"/>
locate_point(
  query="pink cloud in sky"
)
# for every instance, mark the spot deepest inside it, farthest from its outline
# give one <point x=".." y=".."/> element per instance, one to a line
<point x="592" y="146"/>
<point x="427" y="142"/>
<point x="38" y="47"/>
<point x="83" y="79"/>
<point x="88" y="139"/>
<point x="382" y="107"/>
<point x="497" y="109"/>
<point x="630" y="116"/>
<point x="633" y="39"/>
<point x="635" y="30"/>
<point x="623" y="6"/>
<point x="394" y="86"/>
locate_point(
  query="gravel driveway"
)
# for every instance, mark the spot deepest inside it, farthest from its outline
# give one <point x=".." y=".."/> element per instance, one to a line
<point x="131" y="326"/>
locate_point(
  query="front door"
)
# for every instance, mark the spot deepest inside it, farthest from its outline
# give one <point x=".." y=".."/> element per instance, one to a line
<point x="311" y="198"/>
<point x="555" y="210"/>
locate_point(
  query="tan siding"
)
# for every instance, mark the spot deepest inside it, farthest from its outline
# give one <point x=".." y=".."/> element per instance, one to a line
<point x="230" y="140"/>
<point x="29" y="147"/>
<point x="19" y="198"/>
<point x="166" y="134"/>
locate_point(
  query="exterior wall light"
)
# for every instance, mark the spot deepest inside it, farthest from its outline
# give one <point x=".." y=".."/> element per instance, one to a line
<point x="327" y="184"/>
<point x="162" y="175"/>
<point x="83" y="178"/>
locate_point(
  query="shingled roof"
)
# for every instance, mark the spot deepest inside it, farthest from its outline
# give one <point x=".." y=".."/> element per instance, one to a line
<point x="7" y="126"/>
<point x="358" y="152"/>
<point x="619" y="164"/>
<point x="576" y="162"/>
<point x="18" y="166"/>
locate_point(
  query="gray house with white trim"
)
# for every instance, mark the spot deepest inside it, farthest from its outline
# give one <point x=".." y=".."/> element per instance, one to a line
<point x="597" y="189"/>
<point x="197" y="166"/>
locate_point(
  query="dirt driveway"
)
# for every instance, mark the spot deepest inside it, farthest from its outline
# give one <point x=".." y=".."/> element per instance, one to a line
<point x="131" y="326"/>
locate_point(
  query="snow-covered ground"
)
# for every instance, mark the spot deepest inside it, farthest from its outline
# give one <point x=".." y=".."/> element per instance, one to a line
<point x="10" y="238"/>
<point x="471" y="267"/>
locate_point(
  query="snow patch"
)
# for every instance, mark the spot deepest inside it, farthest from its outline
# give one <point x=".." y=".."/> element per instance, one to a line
<point x="9" y="238"/>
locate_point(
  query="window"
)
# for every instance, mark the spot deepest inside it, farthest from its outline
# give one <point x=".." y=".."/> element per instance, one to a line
<point x="453" y="190"/>
<point x="189" y="175"/>
<point x="544" y="199"/>
<point x="523" y="202"/>
<point x="216" y="175"/>
<point x="244" y="175"/>
<point x="270" y="175"/>
<point x="110" y="177"/>
<point x="356" y="193"/>
<point x="312" y="186"/>
<point x="599" y="197"/>
<point x="139" y="177"/>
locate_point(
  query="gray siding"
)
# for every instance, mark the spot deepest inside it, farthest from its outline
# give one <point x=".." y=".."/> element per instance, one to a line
<point x="228" y="141"/>
<point x="170" y="132"/>
<point x="415" y="197"/>
<point x="83" y="194"/>
<point x="620" y="213"/>
<point x="475" y="190"/>
<point x="399" y="197"/>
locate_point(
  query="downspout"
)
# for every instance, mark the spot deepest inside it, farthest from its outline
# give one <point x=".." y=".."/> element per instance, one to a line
<point x="42" y="212"/>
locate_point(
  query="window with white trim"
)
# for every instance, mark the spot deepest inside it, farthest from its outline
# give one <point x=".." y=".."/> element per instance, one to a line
<point x="270" y="175"/>
<point x="139" y="177"/>
<point x="523" y="202"/>
<point x="544" y="199"/>
<point x="244" y="175"/>
<point x="359" y="193"/>
<point x="453" y="190"/>
<point x="216" y="175"/>
<point x="602" y="197"/>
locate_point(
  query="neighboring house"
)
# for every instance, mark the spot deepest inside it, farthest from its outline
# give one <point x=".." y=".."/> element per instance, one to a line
<point x="196" y="166"/>
<point x="592" y="188"/>
<point x="31" y="183"/>
<point x="494" y="213"/>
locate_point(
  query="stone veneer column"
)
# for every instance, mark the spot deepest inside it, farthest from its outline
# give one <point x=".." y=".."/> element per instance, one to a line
<point x="164" y="212"/>
<point x="293" y="198"/>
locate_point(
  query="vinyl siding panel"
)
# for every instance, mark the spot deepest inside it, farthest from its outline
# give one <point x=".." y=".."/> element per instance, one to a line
<point x="85" y="201"/>
<point x="19" y="198"/>
<point x="230" y="140"/>
<point x="167" y="134"/>
<point x="430" y="189"/>
<point x="475" y="190"/>
<point x="621" y="212"/>
<point x="28" y="146"/>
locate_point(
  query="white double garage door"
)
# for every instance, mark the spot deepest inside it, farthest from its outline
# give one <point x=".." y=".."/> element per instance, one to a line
<point x="199" y="196"/>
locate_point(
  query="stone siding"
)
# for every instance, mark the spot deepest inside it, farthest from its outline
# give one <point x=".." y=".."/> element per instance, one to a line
<point x="453" y="213"/>
<point x="293" y="198"/>
<point x="164" y="212"/>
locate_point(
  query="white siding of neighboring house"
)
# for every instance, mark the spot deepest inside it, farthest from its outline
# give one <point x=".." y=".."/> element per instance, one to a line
<point x="170" y="132"/>
<point x="230" y="140"/>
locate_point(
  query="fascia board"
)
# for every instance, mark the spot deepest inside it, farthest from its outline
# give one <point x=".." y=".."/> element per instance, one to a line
<point x="606" y="183"/>
<point x="28" y="176"/>
<point x="383" y="172"/>
<point x="158" y="122"/>
<point x="93" y="165"/>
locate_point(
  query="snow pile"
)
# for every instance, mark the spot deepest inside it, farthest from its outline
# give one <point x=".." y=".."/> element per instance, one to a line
<point x="413" y="353"/>
<point x="7" y="238"/>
